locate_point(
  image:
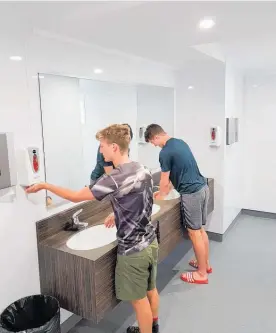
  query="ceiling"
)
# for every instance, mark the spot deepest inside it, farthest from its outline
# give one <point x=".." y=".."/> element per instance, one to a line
<point x="165" y="32"/>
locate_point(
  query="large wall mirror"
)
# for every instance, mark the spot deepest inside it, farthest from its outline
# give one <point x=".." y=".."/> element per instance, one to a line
<point x="74" y="109"/>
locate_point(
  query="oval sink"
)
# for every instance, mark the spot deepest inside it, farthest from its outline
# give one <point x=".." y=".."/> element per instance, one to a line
<point x="92" y="238"/>
<point x="155" y="209"/>
<point x="97" y="236"/>
<point x="172" y="195"/>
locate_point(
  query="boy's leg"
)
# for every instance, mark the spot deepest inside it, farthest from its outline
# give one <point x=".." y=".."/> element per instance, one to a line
<point x="200" y="254"/>
<point x="133" y="275"/>
<point x="206" y="244"/>
<point x="152" y="293"/>
<point x="193" y="206"/>
<point x="204" y="221"/>
<point x="204" y="235"/>
<point x="153" y="298"/>
<point x="144" y="316"/>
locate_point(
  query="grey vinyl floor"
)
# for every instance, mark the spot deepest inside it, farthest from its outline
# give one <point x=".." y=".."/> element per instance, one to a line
<point x="240" y="296"/>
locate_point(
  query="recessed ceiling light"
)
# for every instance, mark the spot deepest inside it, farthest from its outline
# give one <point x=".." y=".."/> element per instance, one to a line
<point x="206" y="23"/>
<point x="98" y="71"/>
<point x="191" y="87"/>
<point x="16" y="58"/>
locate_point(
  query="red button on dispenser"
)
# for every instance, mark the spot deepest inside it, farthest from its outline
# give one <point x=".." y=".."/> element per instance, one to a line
<point x="213" y="134"/>
<point x="35" y="163"/>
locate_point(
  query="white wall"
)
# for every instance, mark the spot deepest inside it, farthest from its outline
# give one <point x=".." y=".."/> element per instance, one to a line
<point x="20" y="114"/>
<point x="196" y="111"/>
<point x="260" y="142"/>
<point x="218" y="94"/>
<point x="233" y="165"/>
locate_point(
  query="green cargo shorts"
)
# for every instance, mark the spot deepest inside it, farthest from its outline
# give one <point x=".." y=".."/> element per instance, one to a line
<point x="136" y="273"/>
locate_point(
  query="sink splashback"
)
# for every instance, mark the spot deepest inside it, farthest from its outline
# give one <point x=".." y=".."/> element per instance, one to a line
<point x="55" y="223"/>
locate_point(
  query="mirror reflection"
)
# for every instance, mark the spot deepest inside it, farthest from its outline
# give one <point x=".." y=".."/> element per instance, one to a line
<point x="73" y="110"/>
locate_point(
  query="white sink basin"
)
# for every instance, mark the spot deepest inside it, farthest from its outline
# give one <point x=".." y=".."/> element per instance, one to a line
<point x="155" y="209"/>
<point x="172" y="195"/>
<point x="97" y="236"/>
<point x="92" y="238"/>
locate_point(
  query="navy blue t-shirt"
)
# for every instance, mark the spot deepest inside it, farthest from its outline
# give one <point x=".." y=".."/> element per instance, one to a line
<point x="99" y="168"/>
<point x="176" y="157"/>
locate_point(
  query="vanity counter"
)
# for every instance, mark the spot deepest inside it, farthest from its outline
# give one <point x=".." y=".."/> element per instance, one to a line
<point x="83" y="281"/>
<point x="59" y="239"/>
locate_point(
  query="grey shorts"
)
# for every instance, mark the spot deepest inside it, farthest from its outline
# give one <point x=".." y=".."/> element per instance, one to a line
<point x="194" y="208"/>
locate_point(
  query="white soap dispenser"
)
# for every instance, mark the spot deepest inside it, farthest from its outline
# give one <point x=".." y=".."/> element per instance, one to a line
<point x="215" y="136"/>
<point x="141" y="134"/>
<point x="29" y="170"/>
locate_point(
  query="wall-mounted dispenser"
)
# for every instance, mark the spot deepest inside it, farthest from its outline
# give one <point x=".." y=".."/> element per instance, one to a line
<point x="29" y="166"/>
<point x="215" y="136"/>
<point x="8" y="177"/>
<point x="141" y="134"/>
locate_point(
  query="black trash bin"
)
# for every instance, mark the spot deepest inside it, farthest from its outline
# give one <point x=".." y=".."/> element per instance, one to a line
<point x="32" y="314"/>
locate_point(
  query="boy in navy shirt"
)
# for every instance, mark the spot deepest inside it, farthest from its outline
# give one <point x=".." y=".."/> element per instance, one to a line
<point x="179" y="167"/>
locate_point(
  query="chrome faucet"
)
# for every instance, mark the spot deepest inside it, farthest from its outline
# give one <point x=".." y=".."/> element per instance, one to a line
<point x="75" y="219"/>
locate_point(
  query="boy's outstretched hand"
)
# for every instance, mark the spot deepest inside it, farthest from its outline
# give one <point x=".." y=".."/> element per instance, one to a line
<point x="36" y="188"/>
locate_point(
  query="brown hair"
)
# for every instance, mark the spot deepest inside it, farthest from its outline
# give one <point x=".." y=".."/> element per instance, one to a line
<point x="153" y="130"/>
<point x="119" y="134"/>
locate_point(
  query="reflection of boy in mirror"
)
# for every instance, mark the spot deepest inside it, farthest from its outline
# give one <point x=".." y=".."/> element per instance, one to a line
<point x="103" y="166"/>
